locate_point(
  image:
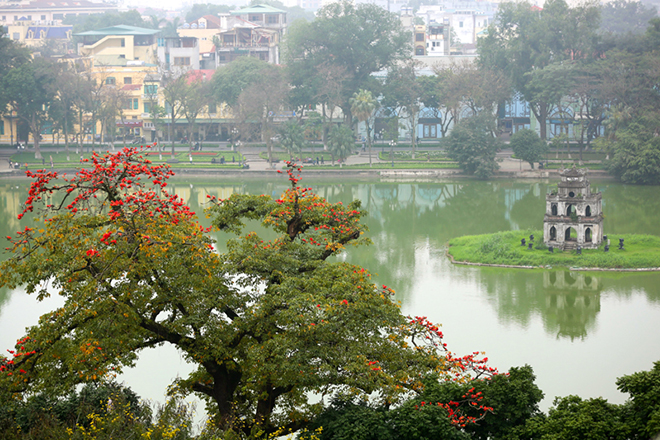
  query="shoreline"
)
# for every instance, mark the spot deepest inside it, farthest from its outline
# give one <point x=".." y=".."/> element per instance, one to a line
<point x="577" y="269"/>
<point x="394" y="174"/>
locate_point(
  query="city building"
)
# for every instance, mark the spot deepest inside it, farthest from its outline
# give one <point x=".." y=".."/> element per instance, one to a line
<point x="50" y="12"/>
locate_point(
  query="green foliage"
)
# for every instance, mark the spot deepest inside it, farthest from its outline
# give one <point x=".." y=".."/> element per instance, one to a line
<point x="237" y="76"/>
<point x="83" y="23"/>
<point x="472" y="144"/>
<point x="636" y="155"/>
<point x="268" y="324"/>
<point x="198" y="10"/>
<point x="643" y="408"/>
<point x="572" y="418"/>
<point x="346" y="42"/>
<point x="513" y="397"/>
<point x="528" y="146"/>
<point x="623" y="17"/>
<point x="97" y="411"/>
<point x="292" y="137"/>
<point x="341" y="142"/>
<point x="523" y="42"/>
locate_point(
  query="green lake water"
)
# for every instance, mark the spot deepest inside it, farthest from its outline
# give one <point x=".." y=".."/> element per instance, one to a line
<point x="579" y="330"/>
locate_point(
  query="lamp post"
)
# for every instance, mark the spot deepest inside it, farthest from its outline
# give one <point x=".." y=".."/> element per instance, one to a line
<point x="392" y="144"/>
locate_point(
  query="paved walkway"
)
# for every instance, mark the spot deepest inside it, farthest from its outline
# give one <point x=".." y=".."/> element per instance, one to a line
<point x="507" y="163"/>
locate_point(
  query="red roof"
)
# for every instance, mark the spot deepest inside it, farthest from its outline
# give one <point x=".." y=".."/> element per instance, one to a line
<point x="200" y="75"/>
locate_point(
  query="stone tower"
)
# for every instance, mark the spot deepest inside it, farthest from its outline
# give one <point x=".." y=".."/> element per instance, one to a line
<point x="573" y="214"/>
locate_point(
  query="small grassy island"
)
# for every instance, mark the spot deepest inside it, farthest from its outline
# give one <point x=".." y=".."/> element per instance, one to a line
<point x="504" y="248"/>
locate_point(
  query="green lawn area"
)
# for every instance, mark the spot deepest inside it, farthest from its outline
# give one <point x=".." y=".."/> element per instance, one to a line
<point x="397" y="166"/>
<point x="59" y="159"/>
<point x="420" y="156"/>
<point x="284" y="156"/>
<point x="504" y="248"/>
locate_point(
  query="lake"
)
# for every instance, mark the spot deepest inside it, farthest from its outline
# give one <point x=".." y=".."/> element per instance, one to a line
<point x="578" y="330"/>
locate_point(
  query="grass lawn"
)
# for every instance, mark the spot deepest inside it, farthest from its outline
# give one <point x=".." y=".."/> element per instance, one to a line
<point x="420" y="156"/>
<point x="504" y="248"/>
<point x="59" y="160"/>
<point x="397" y="166"/>
<point x="284" y="156"/>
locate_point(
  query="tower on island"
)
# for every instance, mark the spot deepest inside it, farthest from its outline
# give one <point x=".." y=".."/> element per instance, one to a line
<point x="573" y="214"/>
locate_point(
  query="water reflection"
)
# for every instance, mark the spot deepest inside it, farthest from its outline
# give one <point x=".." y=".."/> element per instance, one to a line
<point x="410" y="224"/>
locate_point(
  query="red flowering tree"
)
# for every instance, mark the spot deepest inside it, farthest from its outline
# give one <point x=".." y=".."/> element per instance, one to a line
<point x="268" y="323"/>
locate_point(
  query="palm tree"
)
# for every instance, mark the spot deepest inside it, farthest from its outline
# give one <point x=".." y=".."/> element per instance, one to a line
<point x="363" y="105"/>
<point x="292" y="138"/>
<point x="170" y="28"/>
<point x="155" y="22"/>
<point x="340" y="141"/>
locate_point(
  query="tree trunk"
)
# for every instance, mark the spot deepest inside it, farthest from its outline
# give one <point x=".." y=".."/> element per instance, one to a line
<point x="36" y="134"/>
<point x="368" y="142"/>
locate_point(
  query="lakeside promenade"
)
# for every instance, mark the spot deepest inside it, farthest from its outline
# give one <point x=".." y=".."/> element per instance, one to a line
<point x="509" y="166"/>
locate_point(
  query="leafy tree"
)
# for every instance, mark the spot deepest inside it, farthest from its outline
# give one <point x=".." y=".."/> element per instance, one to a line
<point x="528" y="146"/>
<point x="496" y="406"/>
<point x="170" y="28"/>
<point x="572" y="417"/>
<point x="96" y="411"/>
<point x="440" y="95"/>
<point x="637" y="154"/>
<point x="363" y="105"/>
<point x="643" y="407"/>
<point x="625" y="16"/>
<point x="199" y="10"/>
<point x="292" y="137"/>
<point x="402" y="93"/>
<point x="30" y="90"/>
<point x="83" y="23"/>
<point x="525" y="41"/>
<point x="195" y="96"/>
<point x="340" y="143"/>
<point x="174" y="89"/>
<point x="256" y="91"/>
<point x="472" y="144"/>
<point x="230" y="81"/>
<point x="268" y="323"/>
<point x="361" y="39"/>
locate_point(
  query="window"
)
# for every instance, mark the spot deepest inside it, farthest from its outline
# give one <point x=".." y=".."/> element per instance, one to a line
<point x="151" y="89"/>
<point x="43" y="17"/>
<point x="111" y="80"/>
<point x="254" y="18"/>
<point x="213" y="108"/>
<point x="182" y="61"/>
<point x="58" y="16"/>
<point x="419" y="37"/>
<point x="122" y="42"/>
<point x="29" y="17"/>
<point x="16" y="36"/>
<point x="161" y="42"/>
<point x="4" y="18"/>
<point x="135" y="104"/>
<point x="2" y="127"/>
<point x="272" y="19"/>
<point x="128" y="80"/>
<point x="147" y="107"/>
<point x="460" y="24"/>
